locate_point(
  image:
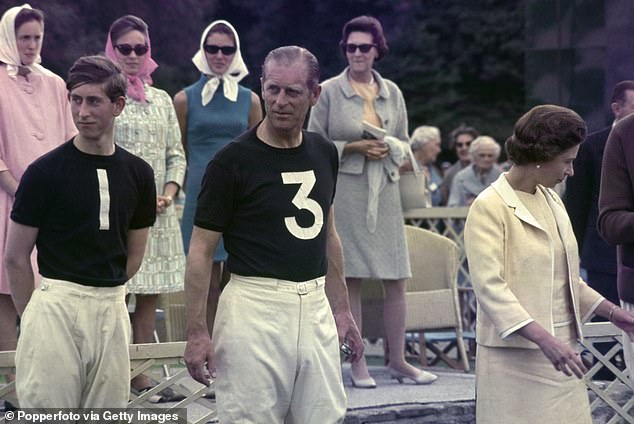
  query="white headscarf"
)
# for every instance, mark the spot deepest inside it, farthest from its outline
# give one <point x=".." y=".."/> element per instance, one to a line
<point x="235" y="72"/>
<point x="9" y="53"/>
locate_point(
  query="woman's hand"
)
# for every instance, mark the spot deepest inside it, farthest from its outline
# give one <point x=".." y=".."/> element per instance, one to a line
<point x="162" y="203"/>
<point x="372" y="149"/>
<point x="8" y="183"/>
<point x="563" y="357"/>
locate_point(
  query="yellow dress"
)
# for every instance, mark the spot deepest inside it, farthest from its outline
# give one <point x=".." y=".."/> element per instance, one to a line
<point x="515" y="385"/>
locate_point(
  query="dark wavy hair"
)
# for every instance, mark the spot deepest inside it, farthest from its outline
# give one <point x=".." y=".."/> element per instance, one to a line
<point x="367" y="24"/>
<point x="543" y="133"/>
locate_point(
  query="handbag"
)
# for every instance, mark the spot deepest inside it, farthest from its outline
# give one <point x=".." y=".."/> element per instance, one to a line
<point x="413" y="186"/>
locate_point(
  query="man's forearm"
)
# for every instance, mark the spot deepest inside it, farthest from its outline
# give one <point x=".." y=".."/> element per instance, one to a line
<point x="336" y="289"/>
<point x="197" y="278"/>
<point x="22" y="282"/>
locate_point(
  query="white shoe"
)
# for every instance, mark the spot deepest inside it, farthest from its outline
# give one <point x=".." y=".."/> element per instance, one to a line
<point x="363" y="383"/>
<point x="421" y="377"/>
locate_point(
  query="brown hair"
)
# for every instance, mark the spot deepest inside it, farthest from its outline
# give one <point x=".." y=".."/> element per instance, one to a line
<point x="98" y="70"/>
<point x="125" y="24"/>
<point x="27" y="15"/>
<point x="544" y="132"/>
<point x="367" y="24"/>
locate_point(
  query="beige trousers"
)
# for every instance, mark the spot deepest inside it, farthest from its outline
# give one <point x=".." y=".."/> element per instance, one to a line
<point x="73" y="347"/>
<point x="277" y="354"/>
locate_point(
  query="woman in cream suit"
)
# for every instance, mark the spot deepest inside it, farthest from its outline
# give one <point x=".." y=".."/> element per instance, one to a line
<point x="525" y="271"/>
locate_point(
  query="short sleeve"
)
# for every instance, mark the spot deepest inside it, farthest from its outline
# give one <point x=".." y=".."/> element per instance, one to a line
<point x="145" y="212"/>
<point x="216" y="201"/>
<point x="31" y="198"/>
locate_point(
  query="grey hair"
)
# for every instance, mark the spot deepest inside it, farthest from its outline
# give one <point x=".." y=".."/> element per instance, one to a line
<point x="423" y="135"/>
<point x="287" y="55"/>
<point x="484" y="140"/>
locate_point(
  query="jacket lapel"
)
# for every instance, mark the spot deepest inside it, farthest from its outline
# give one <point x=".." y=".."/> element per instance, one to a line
<point x="506" y="192"/>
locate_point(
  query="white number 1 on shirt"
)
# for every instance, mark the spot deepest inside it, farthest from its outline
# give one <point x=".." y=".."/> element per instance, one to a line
<point x="104" y="199"/>
<point x="307" y="180"/>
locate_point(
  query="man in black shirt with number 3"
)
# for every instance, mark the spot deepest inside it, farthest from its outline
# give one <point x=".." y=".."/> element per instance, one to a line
<point x="285" y="312"/>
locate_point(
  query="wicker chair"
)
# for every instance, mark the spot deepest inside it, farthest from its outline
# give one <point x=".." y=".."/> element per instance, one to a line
<point x="431" y="299"/>
<point x="175" y="318"/>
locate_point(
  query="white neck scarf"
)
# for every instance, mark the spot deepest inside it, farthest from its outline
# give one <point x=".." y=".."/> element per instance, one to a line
<point x="9" y="53"/>
<point x="236" y="71"/>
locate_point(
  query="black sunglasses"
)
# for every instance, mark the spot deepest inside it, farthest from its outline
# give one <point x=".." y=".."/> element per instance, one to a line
<point x="226" y="50"/>
<point x="126" y="49"/>
<point x="351" y="48"/>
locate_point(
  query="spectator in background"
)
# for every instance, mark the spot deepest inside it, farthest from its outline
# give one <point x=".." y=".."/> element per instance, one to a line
<point x="35" y="117"/>
<point x="616" y="213"/>
<point x="211" y="113"/>
<point x="459" y="139"/>
<point x="598" y="258"/>
<point x="470" y="182"/>
<point x="148" y="128"/>
<point x="425" y="143"/>
<point x="367" y="203"/>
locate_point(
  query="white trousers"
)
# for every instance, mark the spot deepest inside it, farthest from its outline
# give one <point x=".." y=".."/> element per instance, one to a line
<point x="73" y="347"/>
<point x="277" y="353"/>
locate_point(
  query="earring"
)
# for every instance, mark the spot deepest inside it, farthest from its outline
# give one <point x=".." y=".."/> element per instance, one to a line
<point x="538" y="166"/>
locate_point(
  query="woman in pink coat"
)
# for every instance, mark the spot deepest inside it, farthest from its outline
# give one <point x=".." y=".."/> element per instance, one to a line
<point x="34" y="118"/>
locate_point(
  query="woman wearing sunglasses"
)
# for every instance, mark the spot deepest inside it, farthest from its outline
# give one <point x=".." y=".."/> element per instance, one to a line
<point x="34" y="118"/>
<point x="367" y="203"/>
<point x="148" y="128"/>
<point x="211" y="113"/>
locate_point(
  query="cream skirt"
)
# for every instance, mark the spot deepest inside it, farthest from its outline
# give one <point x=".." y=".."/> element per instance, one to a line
<point x="521" y="386"/>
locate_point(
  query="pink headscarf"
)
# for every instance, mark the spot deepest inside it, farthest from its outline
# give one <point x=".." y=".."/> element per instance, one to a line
<point x="135" y="82"/>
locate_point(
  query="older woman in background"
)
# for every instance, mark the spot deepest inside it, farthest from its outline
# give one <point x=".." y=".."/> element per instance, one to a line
<point x="34" y="118"/>
<point x="367" y="203"/>
<point x="524" y="267"/>
<point x="149" y="129"/>
<point x="425" y="143"/>
<point x="470" y="182"/>
<point x="211" y="113"/>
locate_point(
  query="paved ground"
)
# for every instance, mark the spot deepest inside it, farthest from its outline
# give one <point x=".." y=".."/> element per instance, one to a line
<point x="394" y="402"/>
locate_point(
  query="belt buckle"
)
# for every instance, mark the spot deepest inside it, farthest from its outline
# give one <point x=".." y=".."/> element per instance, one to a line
<point x="301" y="288"/>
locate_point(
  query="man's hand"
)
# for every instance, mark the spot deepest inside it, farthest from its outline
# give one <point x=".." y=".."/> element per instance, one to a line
<point x="199" y="358"/>
<point x="349" y="333"/>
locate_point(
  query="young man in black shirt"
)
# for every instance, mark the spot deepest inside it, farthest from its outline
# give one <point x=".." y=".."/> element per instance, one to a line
<point x="87" y="206"/>
<point x="285" y="311"/>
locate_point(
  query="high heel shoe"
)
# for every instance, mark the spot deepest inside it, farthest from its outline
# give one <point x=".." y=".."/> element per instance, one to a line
<point x="363" y="383"/>
<point x="421" y="377"/>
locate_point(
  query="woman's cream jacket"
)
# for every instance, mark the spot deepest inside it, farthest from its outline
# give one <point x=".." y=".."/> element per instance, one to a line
<point x="511" y="265"/>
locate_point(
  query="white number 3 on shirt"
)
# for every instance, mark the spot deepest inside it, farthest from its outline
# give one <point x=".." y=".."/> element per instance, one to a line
<point x="306" y="180"/>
